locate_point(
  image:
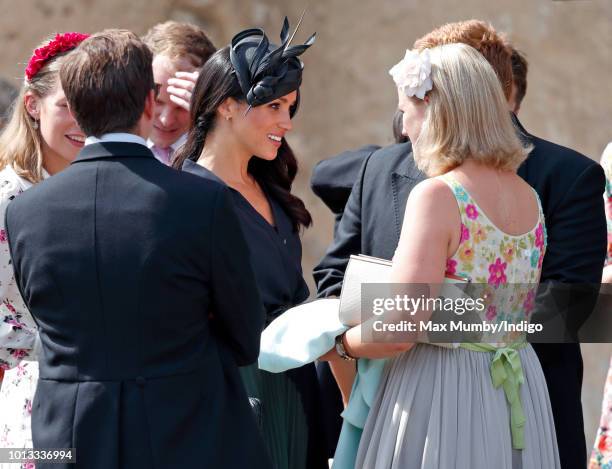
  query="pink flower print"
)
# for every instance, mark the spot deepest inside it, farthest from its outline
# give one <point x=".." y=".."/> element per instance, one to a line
<point x="451" y="266"/>
<point x="491" y="313"/>
<point x="539" y="234"/>
<point x="9" y="306"/>
<point x="28" y="406"/>
<point x="19" y="353"/>
<point x="541" y="259"/>
<point x="471" y="211"/>
<point x="529" y="303"/>
<point x="13" y="322"/>
<point x="465" y="233"/>
<point x="605" y="443"/>
<point x="498" y="273"/>
<point x="3" y="237"/>
<point x="29" y="465"/>
<point x="21" y="371"/>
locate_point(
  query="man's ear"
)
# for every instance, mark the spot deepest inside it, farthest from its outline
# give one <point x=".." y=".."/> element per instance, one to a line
<point x="32" y="105"/>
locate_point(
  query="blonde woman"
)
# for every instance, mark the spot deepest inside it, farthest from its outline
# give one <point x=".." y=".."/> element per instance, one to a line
<point x="40" y="139"/>
<point x="444" y="407"/>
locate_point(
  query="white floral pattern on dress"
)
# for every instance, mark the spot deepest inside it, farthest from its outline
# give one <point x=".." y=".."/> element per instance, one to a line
<point x="17" y="339"/>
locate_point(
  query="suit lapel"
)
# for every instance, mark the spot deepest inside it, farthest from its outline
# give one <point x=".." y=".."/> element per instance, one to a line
<point x="403" y="180"/>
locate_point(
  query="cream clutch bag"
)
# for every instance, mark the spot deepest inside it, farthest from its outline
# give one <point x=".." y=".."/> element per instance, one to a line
<point x="366" y="269"/>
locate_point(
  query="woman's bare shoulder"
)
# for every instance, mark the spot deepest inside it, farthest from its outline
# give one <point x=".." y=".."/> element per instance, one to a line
<point x="433" y="193"/>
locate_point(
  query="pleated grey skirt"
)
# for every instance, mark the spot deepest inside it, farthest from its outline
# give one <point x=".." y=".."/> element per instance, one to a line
<point x="437" y="408"/>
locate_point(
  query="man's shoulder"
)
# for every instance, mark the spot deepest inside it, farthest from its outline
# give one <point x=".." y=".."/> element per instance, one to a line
<point x="153" y="176"/>
<point x="348" y="155"/>
<point x="340" y="170"/>
<point x="558" y="159"/>
<point x="391" y="156"/>
<point x="184" y="187"/>
<point x="391" y="160"/>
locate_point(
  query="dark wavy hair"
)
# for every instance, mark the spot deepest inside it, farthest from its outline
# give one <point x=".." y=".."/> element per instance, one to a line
<point x="216" y="83"/>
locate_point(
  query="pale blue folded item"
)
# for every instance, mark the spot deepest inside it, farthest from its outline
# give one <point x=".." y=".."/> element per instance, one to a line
<point x="300" y="336"/>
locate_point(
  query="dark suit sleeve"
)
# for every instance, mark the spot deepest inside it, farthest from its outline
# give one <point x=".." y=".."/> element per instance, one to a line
<point x="333" y="179"/>
<point x="238" y="314"/>
<point x="574" y="260"/>
<point x="329" y="273"/>
<point x="577" y="235"/>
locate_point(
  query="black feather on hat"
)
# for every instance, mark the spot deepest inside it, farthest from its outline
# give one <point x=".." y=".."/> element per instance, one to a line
<point x="265" y="71"/>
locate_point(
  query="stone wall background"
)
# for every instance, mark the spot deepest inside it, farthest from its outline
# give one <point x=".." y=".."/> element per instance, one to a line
<point x="348" y="97"/>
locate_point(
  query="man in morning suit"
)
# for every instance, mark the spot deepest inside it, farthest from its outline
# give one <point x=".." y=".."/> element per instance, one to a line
<point x="569" y="185"/>
<point x="139" y="279"/>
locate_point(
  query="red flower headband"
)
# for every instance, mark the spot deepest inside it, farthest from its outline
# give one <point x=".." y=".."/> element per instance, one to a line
<point x="61" y="43"/>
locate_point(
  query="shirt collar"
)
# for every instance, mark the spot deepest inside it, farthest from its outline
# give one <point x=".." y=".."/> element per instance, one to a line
<point x="116" y="137"/>
<point x="174" y="146"/>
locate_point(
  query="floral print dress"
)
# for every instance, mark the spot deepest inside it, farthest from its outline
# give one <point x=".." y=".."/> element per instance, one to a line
<point x="601" y="457"/>
<point x="506" y="268"/>
<point x="17" y="339"/>
<point x="441" y="406"/>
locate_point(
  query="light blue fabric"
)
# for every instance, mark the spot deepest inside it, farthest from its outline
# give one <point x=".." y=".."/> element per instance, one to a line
<point x="300" y="336"/>
<point x="356" y="413"/>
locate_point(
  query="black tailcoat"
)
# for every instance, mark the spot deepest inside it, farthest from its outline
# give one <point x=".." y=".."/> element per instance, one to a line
<point x="138" y="277"/>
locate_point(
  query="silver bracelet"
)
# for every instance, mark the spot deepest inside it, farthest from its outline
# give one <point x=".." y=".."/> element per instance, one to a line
<point x="341" y="350"/>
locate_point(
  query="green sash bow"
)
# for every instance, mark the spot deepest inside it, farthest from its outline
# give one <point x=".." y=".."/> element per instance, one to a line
<point x="506" y="371"/>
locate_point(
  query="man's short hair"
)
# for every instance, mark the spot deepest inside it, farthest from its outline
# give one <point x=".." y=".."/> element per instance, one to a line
<point x="107" y="81"/>
<point x="519" y="75"/>
<point x="482" y="37"/>
<point x="180" y="40"/>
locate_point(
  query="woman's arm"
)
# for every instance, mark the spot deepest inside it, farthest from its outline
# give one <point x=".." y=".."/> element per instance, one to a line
<point x="344" y="372"/>
<point x="430" y="220"/>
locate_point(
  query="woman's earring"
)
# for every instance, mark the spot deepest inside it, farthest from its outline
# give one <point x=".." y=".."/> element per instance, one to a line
<point x="35" y="124"/>
<point x="227" y="118"/>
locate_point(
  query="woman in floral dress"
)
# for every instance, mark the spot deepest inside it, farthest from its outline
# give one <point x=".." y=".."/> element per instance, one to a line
<point x="40" y="139"/>
<point x="601" y="457"/>
<point x="480" y="404"/>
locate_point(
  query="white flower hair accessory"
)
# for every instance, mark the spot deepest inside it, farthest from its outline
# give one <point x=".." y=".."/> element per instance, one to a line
<point x="412" y="74"/>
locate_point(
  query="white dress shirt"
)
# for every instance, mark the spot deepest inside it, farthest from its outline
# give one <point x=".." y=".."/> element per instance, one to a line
<point x="116" y="137"/>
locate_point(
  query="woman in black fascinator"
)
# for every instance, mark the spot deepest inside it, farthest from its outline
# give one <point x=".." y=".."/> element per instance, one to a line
<point x="241" y="111"/>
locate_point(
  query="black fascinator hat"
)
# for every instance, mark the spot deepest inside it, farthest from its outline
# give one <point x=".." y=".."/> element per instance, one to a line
<point x="265" y="71"/>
